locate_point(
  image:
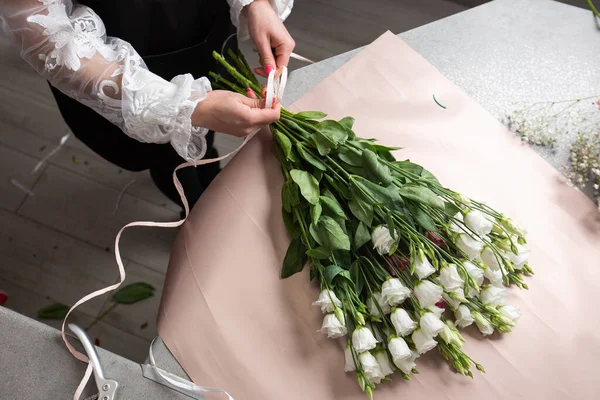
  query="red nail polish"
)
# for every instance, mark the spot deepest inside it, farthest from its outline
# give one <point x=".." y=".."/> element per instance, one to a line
<point x="3" y="297"/>
<point x="256" y="70"/>
<point x="269" y="68"/>
<point x="264" y="102"/>
<point x="248" y="90"/>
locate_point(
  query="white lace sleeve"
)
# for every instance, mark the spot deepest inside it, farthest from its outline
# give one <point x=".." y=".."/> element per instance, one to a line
<point x="67" y="44"/>
<point x="282" y="7"/>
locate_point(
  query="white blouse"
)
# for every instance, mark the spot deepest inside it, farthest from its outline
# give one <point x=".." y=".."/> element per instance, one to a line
<point x="67" y="44"/>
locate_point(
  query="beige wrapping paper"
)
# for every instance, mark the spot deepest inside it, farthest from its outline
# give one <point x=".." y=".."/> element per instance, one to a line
<point x="233" y="324"/>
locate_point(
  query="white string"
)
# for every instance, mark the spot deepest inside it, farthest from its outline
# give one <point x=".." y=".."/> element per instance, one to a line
<point x="121" y="193"/>
<point x="45" y="159"/>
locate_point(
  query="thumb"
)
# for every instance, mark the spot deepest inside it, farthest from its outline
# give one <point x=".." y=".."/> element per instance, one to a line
<point x="266" y="54"/>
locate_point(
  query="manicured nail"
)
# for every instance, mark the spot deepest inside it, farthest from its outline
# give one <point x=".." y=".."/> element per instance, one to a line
<point x="257" y="71"/>
<point x="3" y="297"/>
<point x="269" y="68"/>
<point x="248" y="90"/>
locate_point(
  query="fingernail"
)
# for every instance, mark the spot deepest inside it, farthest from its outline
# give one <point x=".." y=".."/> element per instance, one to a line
<point x="248" y="90"/>
<point x="256" y="71"/>
<point x="269" y="68"/>
<point x="264" y="102"/>
<point x="3" y="297"/>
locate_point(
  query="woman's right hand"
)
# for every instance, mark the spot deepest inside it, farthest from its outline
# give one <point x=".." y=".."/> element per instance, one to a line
<point x="233" y="113"/>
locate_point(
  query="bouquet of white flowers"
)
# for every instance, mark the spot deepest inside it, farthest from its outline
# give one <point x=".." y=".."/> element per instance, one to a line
<point x="403" y="262"/>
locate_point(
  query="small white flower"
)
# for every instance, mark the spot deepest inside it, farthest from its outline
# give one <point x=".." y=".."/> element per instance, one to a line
<point x="407" y="365"/>
<point x="363" y="339"/>
<point x="431" y="325"/>
<point x="399" y="349"/>
<point x="428" y="293"/>
<point x="471" y="246"/>
<point x="394" y="292"/>
<point x="519" y="260"/>
<point x="326" y="301"/>
<point x="423" y="342"/>
<point x="490" y="259"/>
<point x="474" y="272"/>
<point x="402" y="322"/>
<point x="494" y="276"/>
<point x="450" y="337"/>
<point x="423" y="267"/>
<point x="349" y="360"/>
<point x="371" y="367"/>
<point x="492" y="295"/>
<point x="479" y="222"/>
<point x="384" y="363"/>
<point x="510" y="312"/>
<point x="454" y="302"/>
<point x="437" y="311"/>
<point x="463" y="316"/>
<point x="484" y="326"/>
<point x="372" y="306"/>
<point x="333" y="327"/>
<point x="457" y="227"/>
<point x="382" y="240"/>
<point x="450" y="277"/>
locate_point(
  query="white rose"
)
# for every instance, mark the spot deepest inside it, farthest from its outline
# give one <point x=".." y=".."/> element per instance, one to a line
<point x="450" y="277"/>
<point x="463" y="316"/>
<point x="402" y="322"/>
<point x="479" y="222"/>
<point x="437" y="311"/>
<point x="428" y="293"/>
<point x="474" y="272"/>
<point x="326" y="301"/>
<point x="370" y="367"/>
<point x="431" y="325"/>
<point x="384" y="363"/>
<point x="454" y="298"/>
<point x="494" y="276"/>
<point x="363" y="339"/>
<point x="489" y="258"/>
<point x="450" y="337"/>
<point x="423" y="342"/>
<point x="484" y="326"/>
<point x="492" y="295"/>
<point x="510" y="312"/>
<point x="520" y="259"/>
<point x="333" y="327"/>
<point x="372" y="306"/>
<point x="382" y="240"/>
<point x="394" y="292"/>
<point x="423" y="267"/>
<point x="457" y="227"/>
<point x="408" y="364"/>
<point x="399" y="349"/>
<point x="471" y="246"/>
<point x="349" y="359"/>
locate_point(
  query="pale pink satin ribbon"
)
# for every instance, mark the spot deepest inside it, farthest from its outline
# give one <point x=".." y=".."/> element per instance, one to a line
<point x="82" y="357"/>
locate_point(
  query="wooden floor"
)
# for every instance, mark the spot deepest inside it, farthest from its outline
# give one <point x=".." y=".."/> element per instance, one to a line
<point x="56" y="244"/>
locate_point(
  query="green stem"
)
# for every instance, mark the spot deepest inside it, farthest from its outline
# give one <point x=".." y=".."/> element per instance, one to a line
<point x="104" y="314"/>
<point x="593" y="8"/>
<point x="239" y="77"/>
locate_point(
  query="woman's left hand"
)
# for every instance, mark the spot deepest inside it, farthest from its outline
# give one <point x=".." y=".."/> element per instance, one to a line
<point x="270" y="36"/>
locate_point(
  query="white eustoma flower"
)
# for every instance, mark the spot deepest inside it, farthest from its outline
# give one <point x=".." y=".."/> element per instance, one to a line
<point x="471" y="246"/>
<point x="384" y="363"/>
<point x="348" y="359"/>
<point x="363" y="339"/>
<point x="479" y="222"/>
<point x="512" y="227"/>
<point x="382" y="240"/>
<point x="371" y="367"/>
<point x="408" y="364"/>
<point x="519" y="260"/>
<point x="457" y="227"/>
<point x="327" y="299"/>
<point x="490" y="259"/>
<point x="428" y="293"/>
<point x="454" y="298"/>
<point x="437" y="311"/>
<point x="494" y="276"/>
<point x="510" y="312"/>
<point x="402" y="322"/>
<point x="377" y="299"/>
<point x="422" y="341"/>
<point x="333" y="327"/>
<point x="463" y="316"/>
<point x="394" y="292"/>
<point x="450" y="337"/>
<point x="431" y="325"/>
<point x="474" y="272"/>
<point x="450" y="277"/>
<point x="484" y="326"/>
<point x="492" y="295"/>
<point x="423" y="267"/>
<point x="399" y="349"/>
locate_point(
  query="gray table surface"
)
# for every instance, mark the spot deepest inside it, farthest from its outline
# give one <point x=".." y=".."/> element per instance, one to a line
<point x="506" y="50"/>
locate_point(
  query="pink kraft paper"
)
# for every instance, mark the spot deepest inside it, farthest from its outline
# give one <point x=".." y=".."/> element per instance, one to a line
<point x="233" y="324"/>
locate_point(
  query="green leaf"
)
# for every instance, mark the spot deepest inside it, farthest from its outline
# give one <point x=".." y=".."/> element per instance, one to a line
<point x="421" y="217"/>
<point x="407" y="166"/>
<point x="294" y="260"/>
<point x="319" y="253"/>
<point x="362" y="210"/>
<point x="451" y="209"/>
<point x="347" y="122"/>
<point x="429" y="177"/>
<point x="381" y="171"/>
<point x="350" y="157"/>
<point x="381" y="194"/>
<point x="285" y="144"/>
<point x="390" y="225"/>
<point x="318" y="174"/>
<point x="393" y="248"/>
<point x="357" y="277"/>
<point x="289" y="195"/>
<point x="288" y="220"/>
<point x="329" y="234"/>
<point x="54" y="311"/>
<point x="324" y="146"/>
<point x="309" y="186"/>
<point x="422" y="195"/>
<point x="333" y="131"/>
<point x="311" y="115"/>
<point x="361" y="236"/>
<point x="334" y="206"/>
<point x="315" y="212"/>
<point x="315" y="162"/>
<point x="331" y="272"/>
<point x="133" y="293"/>
<point x="340" y="188"/>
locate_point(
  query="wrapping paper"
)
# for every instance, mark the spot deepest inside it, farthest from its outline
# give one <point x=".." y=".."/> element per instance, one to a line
<point x="232" y="323"/>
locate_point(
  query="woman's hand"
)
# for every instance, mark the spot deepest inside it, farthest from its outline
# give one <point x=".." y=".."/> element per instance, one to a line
<point x="270" y="36"/>
<point x="232" y="113"/>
